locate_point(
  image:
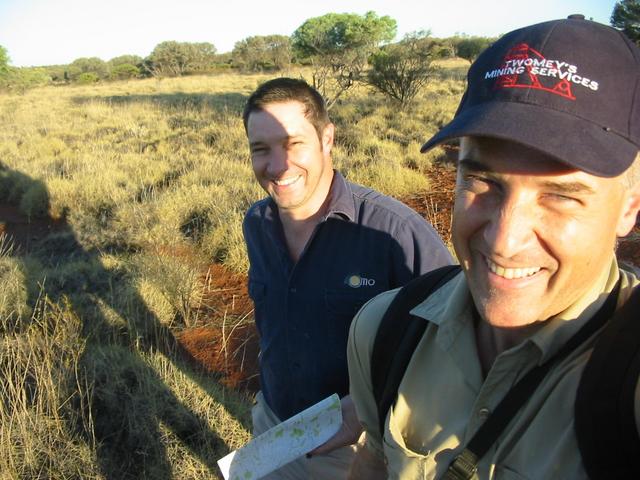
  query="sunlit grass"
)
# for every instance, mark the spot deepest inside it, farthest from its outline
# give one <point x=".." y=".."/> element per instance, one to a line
<point x="149" y="181"/>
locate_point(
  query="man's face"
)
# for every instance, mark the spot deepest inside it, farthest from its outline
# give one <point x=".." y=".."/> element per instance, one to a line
<point x="531" y="233"/>
<point x="289" y="160"/>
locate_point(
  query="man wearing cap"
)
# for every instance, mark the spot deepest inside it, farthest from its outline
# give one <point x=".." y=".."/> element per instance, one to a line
<point x="548" y="178"/>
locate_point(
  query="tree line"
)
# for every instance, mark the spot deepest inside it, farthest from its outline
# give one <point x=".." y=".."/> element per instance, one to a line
<point x="343" y="50"/>
<point x="342" y="42"/>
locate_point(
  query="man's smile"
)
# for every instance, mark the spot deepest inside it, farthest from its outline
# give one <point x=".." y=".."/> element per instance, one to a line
<point x="511" y="273"/>
<point x="284" y="182"/>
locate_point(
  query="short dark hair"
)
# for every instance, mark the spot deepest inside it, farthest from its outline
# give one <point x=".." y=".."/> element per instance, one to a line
<point x="283" y="89"/>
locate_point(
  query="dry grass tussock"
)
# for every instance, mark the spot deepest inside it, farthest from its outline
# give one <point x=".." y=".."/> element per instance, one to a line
<point x="117" y="198"/>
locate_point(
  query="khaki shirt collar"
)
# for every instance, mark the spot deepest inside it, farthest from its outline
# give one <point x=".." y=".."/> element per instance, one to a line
<point x="450" y="308"/>
<point x="560" y="328"/>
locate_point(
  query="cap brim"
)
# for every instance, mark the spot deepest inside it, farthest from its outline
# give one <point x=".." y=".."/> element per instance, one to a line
<point x="589" y="148"/>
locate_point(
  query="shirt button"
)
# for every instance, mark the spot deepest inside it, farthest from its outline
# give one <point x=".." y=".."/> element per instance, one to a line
<point x="484" y="412"/>
<point x="293" y="290"/>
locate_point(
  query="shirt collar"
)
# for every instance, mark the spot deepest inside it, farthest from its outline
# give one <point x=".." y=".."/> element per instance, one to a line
<point x="340" y="201"/>
<point x="560" y="328"/>
<point x="340" y="198"/>
<point x="451" y="309"/>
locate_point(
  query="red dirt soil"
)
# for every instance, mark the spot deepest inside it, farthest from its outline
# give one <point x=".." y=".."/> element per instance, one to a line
<point x="223" y="341"/>
<point x="23" y="231"/>
<point x="230" y="354"/>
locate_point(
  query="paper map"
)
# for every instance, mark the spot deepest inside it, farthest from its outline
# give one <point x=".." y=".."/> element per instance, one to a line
<point x="285" y="442"/>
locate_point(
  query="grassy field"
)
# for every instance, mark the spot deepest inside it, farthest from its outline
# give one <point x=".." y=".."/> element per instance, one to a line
<point x="119" y="197"/>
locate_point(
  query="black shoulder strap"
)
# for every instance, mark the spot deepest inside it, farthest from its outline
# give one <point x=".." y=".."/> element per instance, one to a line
<point x="398" y="336"/>
<point x="464" y="465"/>
<point x="604" y="409"/>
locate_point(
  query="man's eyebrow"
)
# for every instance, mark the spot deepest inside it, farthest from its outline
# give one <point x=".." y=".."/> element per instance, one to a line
<point x="569" y="187"/>
<point x="284" y="138"/>
<point x="473" y="165"/>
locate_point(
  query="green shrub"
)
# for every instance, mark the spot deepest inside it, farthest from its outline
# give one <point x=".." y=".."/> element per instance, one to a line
<point x="124" y="71"/>
<point x="401" y="70"/>
<point x="87" y="78"/>
<point x="21" y="79"/>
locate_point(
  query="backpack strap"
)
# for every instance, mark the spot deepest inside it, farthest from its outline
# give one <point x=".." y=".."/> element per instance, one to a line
<point x="464" y="465"/>
<point x="604" y="408"/>
<point x="398" y="336"/>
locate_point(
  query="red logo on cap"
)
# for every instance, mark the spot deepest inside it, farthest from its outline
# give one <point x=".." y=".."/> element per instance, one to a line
<point x="524" y="65"/>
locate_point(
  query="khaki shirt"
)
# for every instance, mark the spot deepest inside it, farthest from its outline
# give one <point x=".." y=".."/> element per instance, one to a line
<point x="443" y="398"/>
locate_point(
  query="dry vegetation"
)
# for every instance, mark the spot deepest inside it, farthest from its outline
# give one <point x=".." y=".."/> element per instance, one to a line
<point x="118" y="198"/>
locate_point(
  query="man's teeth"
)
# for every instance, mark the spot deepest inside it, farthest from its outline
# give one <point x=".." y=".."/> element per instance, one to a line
<point x="511" y="273"/>
<point x="286" y="181"/>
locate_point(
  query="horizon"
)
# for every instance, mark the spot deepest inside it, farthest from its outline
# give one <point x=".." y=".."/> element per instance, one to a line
<point x="45" y="33"/>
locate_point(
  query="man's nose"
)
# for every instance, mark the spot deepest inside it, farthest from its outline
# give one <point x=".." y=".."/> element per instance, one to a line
<point x="511" y="227"/>
<point x="280" y="161"/>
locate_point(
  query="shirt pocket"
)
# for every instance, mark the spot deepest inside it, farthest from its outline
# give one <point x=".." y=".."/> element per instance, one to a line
<point x="401" y="461"/>
<point x="341" y="306"/>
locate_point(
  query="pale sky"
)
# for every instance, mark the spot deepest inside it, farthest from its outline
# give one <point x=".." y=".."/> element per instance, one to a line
<point x="48" y="32"/>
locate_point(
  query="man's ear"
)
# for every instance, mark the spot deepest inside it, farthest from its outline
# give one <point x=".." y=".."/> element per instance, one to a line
<point x="630" y="211"/>
<point x="327" y="138"/>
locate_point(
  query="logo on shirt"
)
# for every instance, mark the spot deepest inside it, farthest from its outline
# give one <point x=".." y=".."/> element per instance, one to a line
<point x="525" y="67"/>
<point x="356" y="281"/>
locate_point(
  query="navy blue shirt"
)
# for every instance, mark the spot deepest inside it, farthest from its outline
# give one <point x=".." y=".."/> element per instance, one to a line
<point x="366" y="243"/>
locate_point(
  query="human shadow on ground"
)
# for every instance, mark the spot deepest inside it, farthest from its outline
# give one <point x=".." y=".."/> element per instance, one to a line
<point x="129" y="400"/>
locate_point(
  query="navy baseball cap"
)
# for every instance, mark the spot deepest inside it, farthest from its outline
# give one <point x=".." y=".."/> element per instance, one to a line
<point x="569" y="88"/>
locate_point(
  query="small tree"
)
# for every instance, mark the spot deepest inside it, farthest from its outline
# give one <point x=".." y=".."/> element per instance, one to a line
<point x="626" y="17"/>
<point x="21" y="79"/>
<point x="442" y="48"/>
<point x="86" y="78"/>
<point x="470" y="47"/>
<point x="124" y="71"/>
<point x="203" y="57"/>
<point x="400" y="70"/>
<point x="93" y="65"/>
<point x="134" y="60"/>
<point x="30" y="77"/>
<point x="338" y="46"/>
<point x="180" y="58"/>
<point x="262" y="52"/>
<point x="4" y="61"/>
<point x="55" y="72"/>
<point x="125" y="67"/>
<point x="168" y="59"/>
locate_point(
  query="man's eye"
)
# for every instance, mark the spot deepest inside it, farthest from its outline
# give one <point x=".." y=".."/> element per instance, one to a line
<point x="477" y="184"/>
<point x="559" y="197"/>
<point x="258" y="150"/>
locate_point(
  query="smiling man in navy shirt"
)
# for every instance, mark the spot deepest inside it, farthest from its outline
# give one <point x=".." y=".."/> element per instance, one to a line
<point x="319" y="247"/>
